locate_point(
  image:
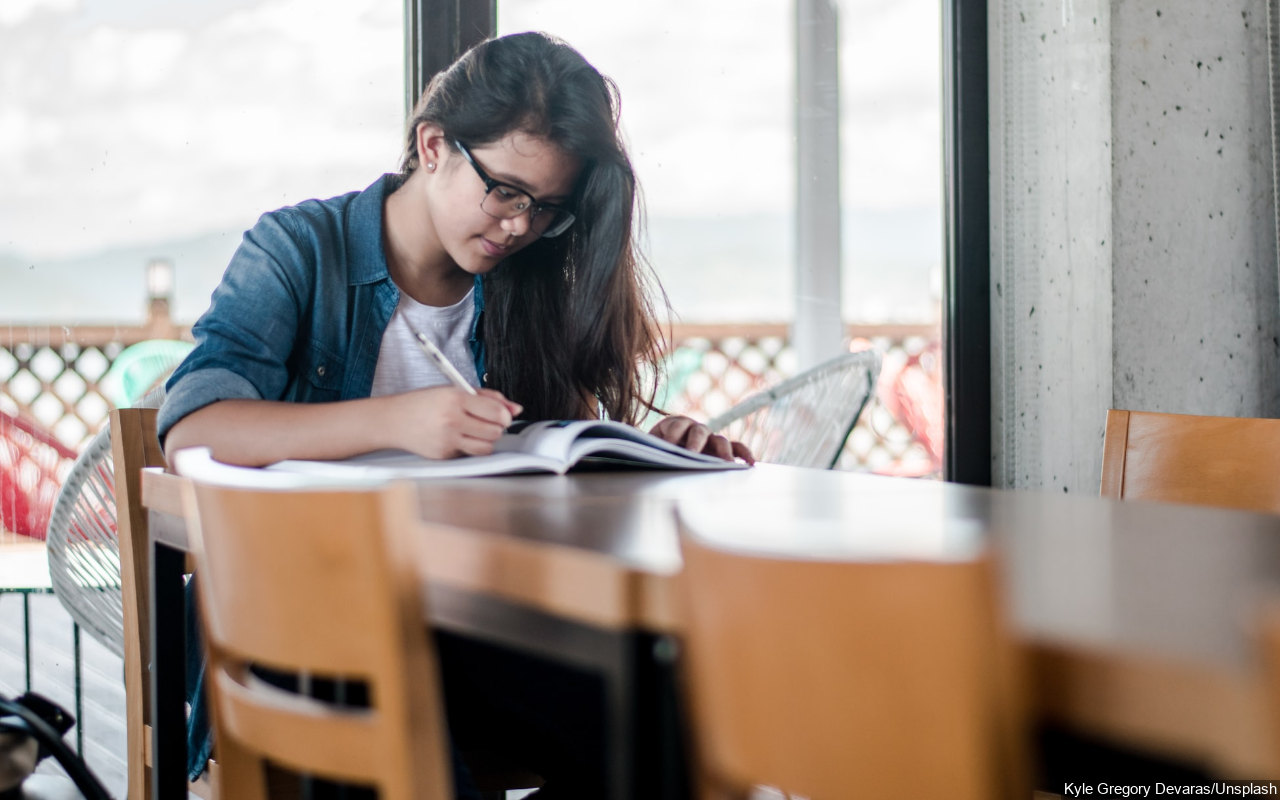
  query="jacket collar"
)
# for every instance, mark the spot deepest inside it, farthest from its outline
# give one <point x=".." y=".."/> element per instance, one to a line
<point x="366" y="257"/>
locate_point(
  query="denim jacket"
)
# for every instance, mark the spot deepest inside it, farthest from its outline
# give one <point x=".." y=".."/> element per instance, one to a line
<point x="299" y="316"/>
<point x="300" y="312"/>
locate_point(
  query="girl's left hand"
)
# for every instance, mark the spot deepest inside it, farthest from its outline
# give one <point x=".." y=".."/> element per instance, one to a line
<point x="695" y="436"/>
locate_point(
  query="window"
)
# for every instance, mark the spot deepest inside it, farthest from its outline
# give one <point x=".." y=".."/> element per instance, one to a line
<point x="140" y="130"/>
<point x="708" y="109"/>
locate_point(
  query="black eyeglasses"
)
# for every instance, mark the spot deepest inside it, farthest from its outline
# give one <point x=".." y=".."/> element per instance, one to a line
<point x="503" y="201"/>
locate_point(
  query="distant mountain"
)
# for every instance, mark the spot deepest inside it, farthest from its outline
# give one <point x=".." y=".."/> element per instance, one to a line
<point x="713" y="269"/>
<point x="110" y="286"/>
<point x="721" y="269"/>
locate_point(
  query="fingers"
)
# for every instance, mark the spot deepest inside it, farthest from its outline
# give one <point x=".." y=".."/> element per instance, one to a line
<point x="490" y="407"/>
<point x="484" y="419"/>
<point x="719" y="447"/>
<point x="489" y="414"/>
<point x="475" y="428"/>
<point x="698" y="437"/>
<point x="513" y="407"/>
<point x="450" y="422"/>
<point x="672" y="429"/>
<point x="472" y="446"/>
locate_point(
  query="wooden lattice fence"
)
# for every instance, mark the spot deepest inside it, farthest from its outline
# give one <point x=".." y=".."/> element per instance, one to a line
<point x="53" y="375"/>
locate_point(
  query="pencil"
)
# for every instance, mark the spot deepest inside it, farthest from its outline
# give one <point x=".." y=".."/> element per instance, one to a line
<point x="447" y="367"/>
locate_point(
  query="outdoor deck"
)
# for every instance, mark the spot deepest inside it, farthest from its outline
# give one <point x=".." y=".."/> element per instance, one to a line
<point x="53" y="675"/>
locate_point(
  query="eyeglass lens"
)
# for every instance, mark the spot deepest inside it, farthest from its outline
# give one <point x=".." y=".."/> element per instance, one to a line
<point x="505" y="202"/>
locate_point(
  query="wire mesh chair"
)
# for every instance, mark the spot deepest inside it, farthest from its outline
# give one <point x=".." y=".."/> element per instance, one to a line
<point x="32" y="464"/>
<point x="805" y="420"/>
<point x="84" y="553"/>
<point x="84" y="550"/>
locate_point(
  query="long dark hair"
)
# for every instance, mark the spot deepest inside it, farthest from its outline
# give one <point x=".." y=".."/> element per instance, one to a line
<point x="569" y="318"/>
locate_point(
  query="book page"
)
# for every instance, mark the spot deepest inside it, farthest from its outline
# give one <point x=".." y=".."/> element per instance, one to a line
<point x="553" y="446"/>
<point x="570" y="441"/>
<point x="383" y="465"/>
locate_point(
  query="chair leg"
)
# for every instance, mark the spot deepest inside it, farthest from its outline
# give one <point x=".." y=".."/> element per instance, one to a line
<point x="241" y="775"/>
<point x="26" y="636"/>
<point x="79" y="687"/>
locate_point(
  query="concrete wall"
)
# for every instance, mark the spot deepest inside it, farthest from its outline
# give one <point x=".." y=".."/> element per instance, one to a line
<point x="1134" y="257"/>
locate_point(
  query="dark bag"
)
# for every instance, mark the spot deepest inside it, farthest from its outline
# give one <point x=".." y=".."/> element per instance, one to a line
<point x="31" y="729"/>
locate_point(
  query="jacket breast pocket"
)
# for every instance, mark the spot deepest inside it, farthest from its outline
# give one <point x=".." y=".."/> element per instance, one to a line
<point x="323" y="373"/>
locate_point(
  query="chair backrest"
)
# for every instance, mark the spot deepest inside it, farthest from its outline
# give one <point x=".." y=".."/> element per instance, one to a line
<point x="134" y="447"/>
<point x="140" y="368"/>
<point x="84" y="553"/>
<point x="1228" y="462"/>
<point x="805" y="420"/>
<point x="831" y="679"/>
<point x="318" y="583"/>
<point x="88" y="564"/>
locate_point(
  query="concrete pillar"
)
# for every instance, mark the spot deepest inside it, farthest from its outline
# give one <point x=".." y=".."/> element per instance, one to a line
<point x="1133" y="252"/>
<point x="1194" y="278"/>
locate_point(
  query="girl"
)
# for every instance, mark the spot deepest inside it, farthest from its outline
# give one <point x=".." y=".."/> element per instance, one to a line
<point x="508" y="238"/>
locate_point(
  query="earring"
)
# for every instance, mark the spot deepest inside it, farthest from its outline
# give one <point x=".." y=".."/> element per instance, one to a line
<point x="431" y="165"/>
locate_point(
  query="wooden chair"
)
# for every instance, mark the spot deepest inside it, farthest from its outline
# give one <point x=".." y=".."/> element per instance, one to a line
<point x="316" y="583"/>
<point x="833" y="679"/>
<point x="134" y="446"/>
<point x="1228" y="462"/>
<point x="1268" y="641"/>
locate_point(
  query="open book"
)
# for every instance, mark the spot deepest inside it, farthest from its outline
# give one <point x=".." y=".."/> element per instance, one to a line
<point x="551" y="446"/>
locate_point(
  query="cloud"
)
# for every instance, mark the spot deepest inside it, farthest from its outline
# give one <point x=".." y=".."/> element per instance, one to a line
<point x="707" y="101"/>
<point x="128" y="132"/>
<point x="131" y="120"/>
<point x="14" y="12"/>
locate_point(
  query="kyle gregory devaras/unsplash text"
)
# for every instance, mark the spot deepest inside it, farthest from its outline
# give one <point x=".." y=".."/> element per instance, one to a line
<point x="1215" y="789"/>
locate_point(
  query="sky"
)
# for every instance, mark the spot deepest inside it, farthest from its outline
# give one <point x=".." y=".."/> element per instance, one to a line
<point x="707" y="86"/>
<point x="128" y="120"/>
<point x="125" y="122"/>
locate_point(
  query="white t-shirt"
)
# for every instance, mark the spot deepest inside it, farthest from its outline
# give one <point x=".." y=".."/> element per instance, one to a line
<point x="402" y="366"/>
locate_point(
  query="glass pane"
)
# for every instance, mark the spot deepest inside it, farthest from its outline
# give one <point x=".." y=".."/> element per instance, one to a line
<point x="891" y="171"/>
<point x="139" y="130"/>
<point x="708" y="109"/>
<point x="709" y="136"/>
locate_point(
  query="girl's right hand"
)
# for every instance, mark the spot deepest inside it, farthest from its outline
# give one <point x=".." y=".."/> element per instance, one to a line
<point x="446" y="422"/>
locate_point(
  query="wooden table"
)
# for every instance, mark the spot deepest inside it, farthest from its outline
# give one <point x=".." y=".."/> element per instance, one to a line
<point x="1137" y="617"/>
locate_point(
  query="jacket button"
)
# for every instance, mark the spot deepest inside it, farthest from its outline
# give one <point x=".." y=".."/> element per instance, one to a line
<point x="320" y="370"/>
